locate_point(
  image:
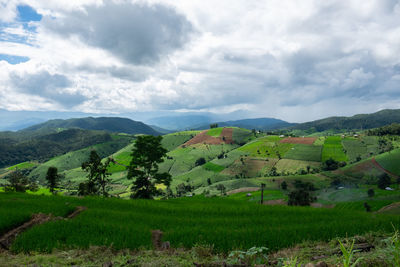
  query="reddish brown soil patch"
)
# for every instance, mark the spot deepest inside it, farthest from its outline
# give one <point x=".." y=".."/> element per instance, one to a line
<point x="299" y="140"/>
<point x="204" y="138"/>
<point x="8" y="238"/>
<point x="381" y="168"/>
<point x="275" y="202"/>
<point x="243" y="189"/>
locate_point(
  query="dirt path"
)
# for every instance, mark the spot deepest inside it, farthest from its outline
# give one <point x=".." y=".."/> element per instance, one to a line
<point x="226" y="137"/>
<point x="373" y="160"/>
<point x="243" y="189"/>
<point x="37" y="219"/>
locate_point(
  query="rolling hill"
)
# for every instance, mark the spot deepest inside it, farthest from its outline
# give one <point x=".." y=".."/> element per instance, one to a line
<point x="258" y="124"/>
<point x="109" y="124"/>
<point x="356" y="122"/>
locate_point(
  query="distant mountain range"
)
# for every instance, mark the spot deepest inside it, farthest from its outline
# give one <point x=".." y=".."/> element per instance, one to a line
<point x="356" y="122"/>
<point x="258" y="124"/>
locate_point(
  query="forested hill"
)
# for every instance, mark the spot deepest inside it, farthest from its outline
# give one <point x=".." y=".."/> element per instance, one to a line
<point x="109" y="124"/>
<point x="360" y="121"/>
<point x="258" y="124"/>
<point x="47" y="146"/>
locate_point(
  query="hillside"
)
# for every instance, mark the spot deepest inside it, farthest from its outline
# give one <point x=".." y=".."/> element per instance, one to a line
<point x="44" y="147"/>
<point x="109" y="124"/>
<point x="356" y="122"/>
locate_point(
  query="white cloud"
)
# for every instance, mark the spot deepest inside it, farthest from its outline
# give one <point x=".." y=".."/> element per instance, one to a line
<point x="296" y="60"/>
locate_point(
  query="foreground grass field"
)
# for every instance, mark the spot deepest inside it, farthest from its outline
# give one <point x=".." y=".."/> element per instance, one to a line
<point x="224" y="223"/>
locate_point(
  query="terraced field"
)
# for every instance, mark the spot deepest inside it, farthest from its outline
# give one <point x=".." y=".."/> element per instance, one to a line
<point x="333" y="149"/>
<point x="304" y="153"/>
<point x="390" y="161"/>
<point x="268" y="147"/>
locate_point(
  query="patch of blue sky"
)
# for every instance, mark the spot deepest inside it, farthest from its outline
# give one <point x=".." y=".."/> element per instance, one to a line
<point x="27" y="14"/>
<point x="13" y="59"/>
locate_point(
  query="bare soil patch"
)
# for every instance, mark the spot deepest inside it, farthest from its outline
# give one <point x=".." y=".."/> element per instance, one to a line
<point x="226" y="137"/>
<point x="319" y="205"/>
<point x="299" y="140"/>
<point x="390" y="208"/>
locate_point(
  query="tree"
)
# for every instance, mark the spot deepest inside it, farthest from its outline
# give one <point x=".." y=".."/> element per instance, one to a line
<point x="300" y="197"/>
<point x="284" y="185"/>
<point x="371" y="192"/>
<point x="52" y="178"/>
<point x="213" y="125"/>
<point x="182" y="189"/>
<point x="146" y="155"/>
<point x="200" y="161"/>
<point x="384" y="181"/>
<point x="97" y="176"/>
<point x="209" y="181"/>
<point x="221" y="188"/>
<point x="330" y="165"/>
<point x="18" y="182"/>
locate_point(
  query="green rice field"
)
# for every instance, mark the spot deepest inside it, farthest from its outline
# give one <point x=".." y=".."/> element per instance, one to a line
<point x="304" y="152"/>
<point x="390" y="161"/>
<point x="227" y="224"/>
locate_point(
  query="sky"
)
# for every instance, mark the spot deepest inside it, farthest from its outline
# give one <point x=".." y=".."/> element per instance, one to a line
<point x="293" y="60"/>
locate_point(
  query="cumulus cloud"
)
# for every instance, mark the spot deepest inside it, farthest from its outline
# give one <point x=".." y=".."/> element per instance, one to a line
<point x="137" y="33"/>
<point x="48" y="86"/>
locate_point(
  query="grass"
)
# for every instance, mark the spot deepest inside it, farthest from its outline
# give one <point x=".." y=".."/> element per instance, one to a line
<point x="213" y="167"/>
<point x="227" y="224"/>
<point x="355" y="148"/>
<point x="266" y="147"/>
<point x="215" y="131"/>
<point x="390" y="161"/>
<point x="256" y="195"/>
<point x="333" y="149"/>
<point x="304" y="152"/>
<point x="23" y="166"/>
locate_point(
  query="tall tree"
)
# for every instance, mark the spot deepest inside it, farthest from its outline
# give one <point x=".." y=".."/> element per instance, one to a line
<point x="52" y="178"/>
<point x="18" y="181"/>
<point x="97" y="175"/>
<point x="146" y="155"/>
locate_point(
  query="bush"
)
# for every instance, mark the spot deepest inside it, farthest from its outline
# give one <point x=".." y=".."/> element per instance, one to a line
<point x="371" y="192"/>
<point x="330" y="165"/>
<point x="200" y="161"/>
<point x="300" y="197"/>
<point x="384" y="181"/>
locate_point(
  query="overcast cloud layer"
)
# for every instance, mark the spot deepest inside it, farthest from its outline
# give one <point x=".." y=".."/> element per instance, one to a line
<point x="294" y="60"/>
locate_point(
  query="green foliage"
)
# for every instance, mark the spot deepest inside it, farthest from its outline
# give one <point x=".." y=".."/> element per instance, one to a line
<point x="254" y="255"/>
<point x="392" y="129"/>
<point x="330" y="165"/>
<point x="52" y="178"/>
<point x="200" y="161"/>
<point x="97" y="176"/>
<point x="348" y="255"/>
<point x="22" y="166"/>
<point x="371" y="192"/>
<point x="384" y="181"/>
<point x="146" y="155"/>
<point x="300" y="197"/>
<point x="17" y="182"/>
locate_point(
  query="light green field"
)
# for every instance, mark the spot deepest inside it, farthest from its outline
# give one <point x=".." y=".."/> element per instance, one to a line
<point x="333" y="149"/>
<point x="23" y="166"/>
<point x="173" y="140"/>
<point x="215" y="131"/>
<point x="268" y="147"/>
<point x="304" y="152"/>
<point x="256" y="195"/>
<point x="213" y="167"/>
<point x="242" y="136"/>
<point x="390" y="161"/>
<point x="354" y="148"/>
<point x="292" y="166"/>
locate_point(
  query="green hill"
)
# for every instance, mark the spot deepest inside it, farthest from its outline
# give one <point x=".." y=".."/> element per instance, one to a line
<point x="356" y="122"/>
